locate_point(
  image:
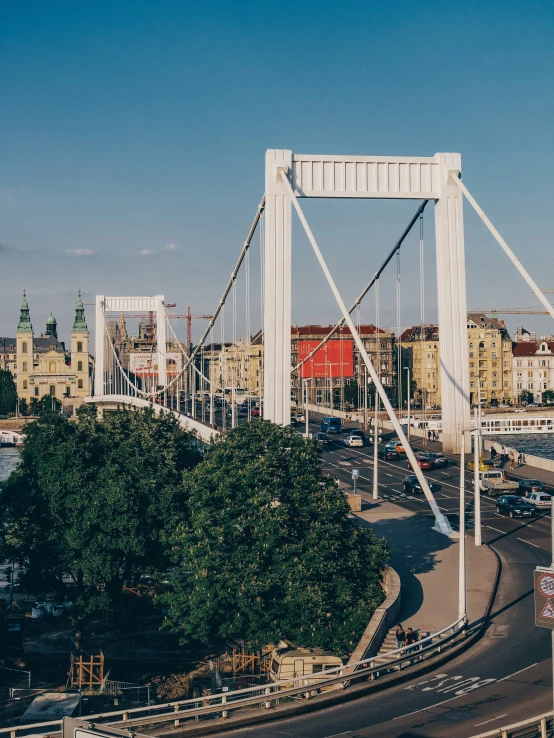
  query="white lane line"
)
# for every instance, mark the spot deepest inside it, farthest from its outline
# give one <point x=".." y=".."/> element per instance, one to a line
<point x="529" y="542"/>
<point x="389" y="475"/>
<point x="495" y="529"/>
<point x="517" y="672"/>
<point x="490" y="721"/>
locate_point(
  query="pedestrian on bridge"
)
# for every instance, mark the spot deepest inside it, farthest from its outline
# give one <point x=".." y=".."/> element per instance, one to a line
<point x="400" y="636"/>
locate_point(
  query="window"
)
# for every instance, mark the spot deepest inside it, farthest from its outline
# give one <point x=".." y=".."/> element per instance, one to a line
<point x="471" y="345"/>
<point x="471" y="354"/>
<point x="505" y="384"/>
<point x="482" y="345"/>
<point x="518" y="362"/>
<point x="24" y="347"/>
<point x="80" y="366"/>
<point x="494" y="344"/>
<point x="80" y="384"/>
<point x="52" y="390"/>
<point x="79" y="347"/>
<point x="317" y="668"/>
<point x="24" y="366"/>
<point x="36" y="391"/>
<point x="24" y="384"/>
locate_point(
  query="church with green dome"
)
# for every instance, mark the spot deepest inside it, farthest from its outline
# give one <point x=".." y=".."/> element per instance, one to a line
<point x="41" y="364"/>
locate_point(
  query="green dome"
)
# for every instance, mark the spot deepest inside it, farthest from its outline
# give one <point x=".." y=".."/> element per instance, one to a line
<point x="51" y="320"/>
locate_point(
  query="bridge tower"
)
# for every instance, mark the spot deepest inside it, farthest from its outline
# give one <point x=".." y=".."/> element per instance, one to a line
<point x="377" y="177"/>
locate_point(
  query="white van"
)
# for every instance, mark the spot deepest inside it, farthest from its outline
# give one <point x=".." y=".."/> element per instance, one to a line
<point x="311" y="663"/>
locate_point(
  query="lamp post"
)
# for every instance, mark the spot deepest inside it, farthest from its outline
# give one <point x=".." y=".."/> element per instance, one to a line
<point x="476" y="489"/>
<point x="375" y="455"/>
<point x="407" y="369"/>
<point x="462" y="561"/>
<point x="306" y="410"/>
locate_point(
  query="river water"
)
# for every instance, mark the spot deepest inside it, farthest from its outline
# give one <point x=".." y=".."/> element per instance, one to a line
<point x="538" y="444"/>
<point x="8" y="461"/>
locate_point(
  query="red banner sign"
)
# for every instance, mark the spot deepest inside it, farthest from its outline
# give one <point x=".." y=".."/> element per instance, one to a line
<point x="333" y="359"/>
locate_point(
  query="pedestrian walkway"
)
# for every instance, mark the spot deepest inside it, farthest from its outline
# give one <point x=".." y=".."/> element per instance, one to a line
<point x="427" y="563"/>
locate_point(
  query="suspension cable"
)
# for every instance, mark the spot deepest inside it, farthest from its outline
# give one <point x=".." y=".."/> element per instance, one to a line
<point x="375" y="277"/>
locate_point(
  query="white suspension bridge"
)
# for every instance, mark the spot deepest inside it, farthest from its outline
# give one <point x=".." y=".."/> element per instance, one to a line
<point x="289" y="178"/>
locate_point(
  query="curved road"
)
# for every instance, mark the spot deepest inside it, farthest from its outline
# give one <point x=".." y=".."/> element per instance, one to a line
<point x="504" y="678"/>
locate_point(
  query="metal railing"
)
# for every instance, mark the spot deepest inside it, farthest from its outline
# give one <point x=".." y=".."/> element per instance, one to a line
<point x="540" y="726"/>
<point x="267" y="695"/>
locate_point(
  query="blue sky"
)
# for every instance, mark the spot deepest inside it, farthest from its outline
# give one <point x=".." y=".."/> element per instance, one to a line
<point x="134" y="127"/>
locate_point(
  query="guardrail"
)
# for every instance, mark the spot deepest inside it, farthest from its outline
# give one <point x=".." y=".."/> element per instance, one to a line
<point x="265" y="695"/>
<point x="541" y="726"/>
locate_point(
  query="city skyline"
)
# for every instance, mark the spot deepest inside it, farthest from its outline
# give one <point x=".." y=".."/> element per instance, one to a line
<point x="120" y="124"/>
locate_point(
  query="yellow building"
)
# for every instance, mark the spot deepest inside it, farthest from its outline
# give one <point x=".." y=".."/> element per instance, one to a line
<point x="421" y="346"/>
<point x="238" y="365"/>
<point x="42" y="366"/>
<point x="490" y="361"/>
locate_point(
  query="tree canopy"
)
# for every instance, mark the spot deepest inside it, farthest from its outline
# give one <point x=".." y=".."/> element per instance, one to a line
<point x="95" y="499"/>
<point x="8" y="392"/>
<point x="266" y="549"/>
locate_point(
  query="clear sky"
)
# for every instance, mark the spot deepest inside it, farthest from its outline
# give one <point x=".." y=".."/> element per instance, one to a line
<point x="133" y="138"/>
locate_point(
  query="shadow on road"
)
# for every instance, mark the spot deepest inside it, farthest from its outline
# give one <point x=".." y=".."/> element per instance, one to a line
<point x="415" y="550"/>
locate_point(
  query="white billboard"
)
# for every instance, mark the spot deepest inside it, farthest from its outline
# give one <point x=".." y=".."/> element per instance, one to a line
<point x="144" y="364"/>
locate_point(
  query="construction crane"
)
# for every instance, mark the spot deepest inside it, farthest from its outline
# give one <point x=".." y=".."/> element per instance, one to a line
<point x="512" y="311"/>
<point x="172" y="316"/>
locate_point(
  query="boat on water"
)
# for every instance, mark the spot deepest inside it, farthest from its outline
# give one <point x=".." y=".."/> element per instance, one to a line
<point x="497" y="425"/>
<point x="8" y="439"/>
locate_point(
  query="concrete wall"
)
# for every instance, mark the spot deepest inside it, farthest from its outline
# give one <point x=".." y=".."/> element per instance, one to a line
<point x="383" y="619"/>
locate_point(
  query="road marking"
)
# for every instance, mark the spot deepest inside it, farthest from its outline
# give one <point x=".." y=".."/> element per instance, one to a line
<point x="495" y="529"/>
<point x="529" y="542"/>
<point x="517" y="672"/>
<point x="490" y="721"/>
<point x="389" y="475"/>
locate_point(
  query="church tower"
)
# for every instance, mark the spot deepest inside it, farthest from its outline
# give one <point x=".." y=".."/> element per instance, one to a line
<point x="79" y="351"/>
<point x="24" y="345"/>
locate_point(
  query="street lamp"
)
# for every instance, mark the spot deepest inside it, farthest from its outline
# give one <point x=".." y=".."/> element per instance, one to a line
<point x="407" y="369"/>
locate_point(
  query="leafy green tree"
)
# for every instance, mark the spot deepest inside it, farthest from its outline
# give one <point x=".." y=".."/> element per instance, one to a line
<point x="8" y="392"/>
<point x="95" y="499"/>
<point x="351" y="393"/>
<point x="548" y="397"/>
<point x="23" y="406"/>
<point x="266" y="549"/>
<point x="526" y="397"/>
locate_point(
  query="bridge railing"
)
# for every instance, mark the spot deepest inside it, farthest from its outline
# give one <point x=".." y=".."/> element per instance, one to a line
<point x="265" y="695"/>
<point x="540" y="726"/>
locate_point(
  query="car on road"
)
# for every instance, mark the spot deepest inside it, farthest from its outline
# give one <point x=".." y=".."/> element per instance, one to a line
<point x="514" y="506"/>
<point x="411" y="485"/>
<point x="484" y="464"/>
<point x="539" y="499"/>
<point x="531" y="485"/>
<point x="357" y="432"/>
<point x="255" y="412"/>
<point x="396" y="444"/>
<point x="424" y="462"/>
<point x="331" y="425"/>
<point x="352" y="441"/>
<point x="439" y="460"/>
<point x="385" y="452"/>
<point x="322" y="438"/>
<point x="520" y="410"/>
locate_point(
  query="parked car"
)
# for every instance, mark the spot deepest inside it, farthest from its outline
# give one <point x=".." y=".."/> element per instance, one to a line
<point x="531" y="485"/>
<point x="539" y="499"/>
<point x="385" y="452"/>
<point x="255" y="412"/>
<point x="438" y="460"/>
<point x="424" y="462"/>
<point x="353" y="441"/>
<point x="411" y="485"/>
<point x="322" y="438"/>
<point x="514" y="506"/>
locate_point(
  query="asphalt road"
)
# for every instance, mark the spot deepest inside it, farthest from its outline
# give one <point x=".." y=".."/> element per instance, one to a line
<point x="505" y="677"/>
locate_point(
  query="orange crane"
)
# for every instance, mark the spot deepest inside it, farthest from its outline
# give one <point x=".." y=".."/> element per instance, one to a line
<point x="512" y="311"/>
<point x="172" y="316"/>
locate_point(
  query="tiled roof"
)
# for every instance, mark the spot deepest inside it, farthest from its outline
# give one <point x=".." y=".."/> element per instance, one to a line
<point x="430" y="333"/>
<point x="530" y="348"/>
<point x="324" y="330"/>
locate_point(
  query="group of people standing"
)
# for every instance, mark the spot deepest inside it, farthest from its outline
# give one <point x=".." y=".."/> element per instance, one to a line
<point x="507" y="455"/>
<point x="405" y="638"/>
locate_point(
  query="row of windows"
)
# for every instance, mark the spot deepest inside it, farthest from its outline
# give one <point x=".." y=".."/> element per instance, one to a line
<point x="24" y="346"/>
<point x="52" y="388"/>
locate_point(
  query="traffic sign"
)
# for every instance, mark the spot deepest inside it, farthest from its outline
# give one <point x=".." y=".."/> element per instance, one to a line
<point x="355" y="472"/>
<point x="544" y="597"/>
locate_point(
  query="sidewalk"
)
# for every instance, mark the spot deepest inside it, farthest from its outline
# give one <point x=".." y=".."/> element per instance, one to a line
<point x="427" y="563"/>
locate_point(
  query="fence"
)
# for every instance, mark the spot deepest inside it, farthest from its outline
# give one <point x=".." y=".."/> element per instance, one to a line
<point x="268" y="695"/>
<point x="11" y="679"/>
<point x="127" y="693"/>
<point x="541" y="726"/>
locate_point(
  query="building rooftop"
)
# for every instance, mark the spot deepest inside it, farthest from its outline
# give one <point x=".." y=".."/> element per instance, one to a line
<point x="530" y="348"/>
<point x="430" y="333"/>
<point x="323" y="330"/>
